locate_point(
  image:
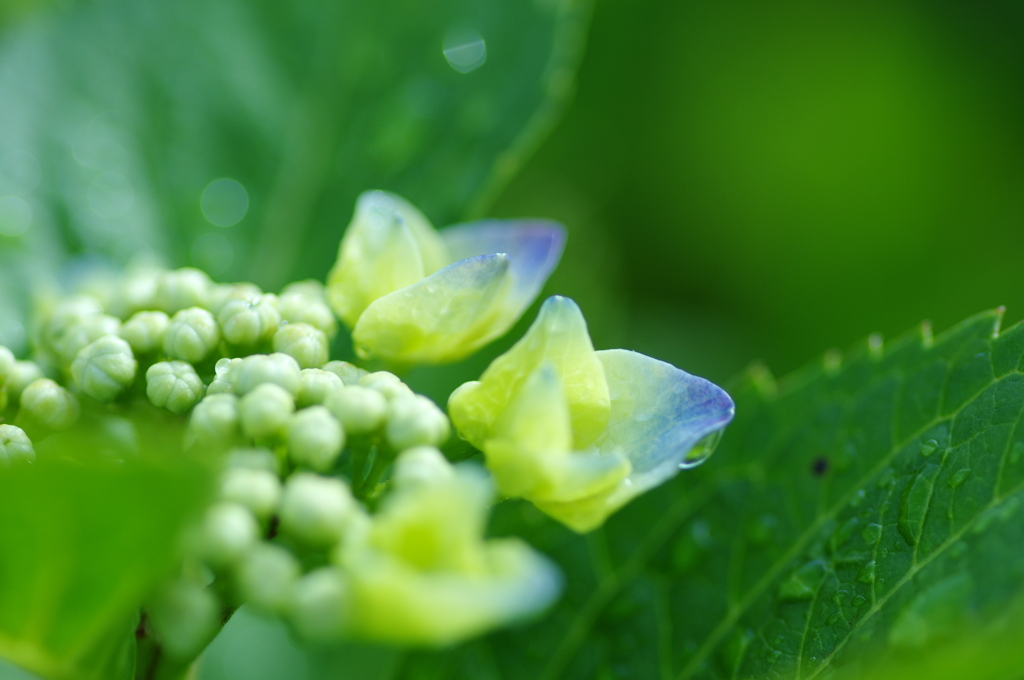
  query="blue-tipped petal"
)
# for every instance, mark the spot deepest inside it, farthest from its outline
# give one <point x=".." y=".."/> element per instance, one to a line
<point x="442" y="318"/>
<point x="534" y="247"/>
<point x="660" y="416"/>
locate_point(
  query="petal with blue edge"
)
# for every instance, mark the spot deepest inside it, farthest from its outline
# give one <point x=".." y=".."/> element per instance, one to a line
<point x="442" y="318"/>
<point x="662" y="419"/>
<point x="534" y="246"/>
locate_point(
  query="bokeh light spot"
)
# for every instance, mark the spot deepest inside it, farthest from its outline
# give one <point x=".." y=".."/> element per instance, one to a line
<point x="465" y="50"/>
<point x="224" y="202"/>
<point x="111" y="195"/>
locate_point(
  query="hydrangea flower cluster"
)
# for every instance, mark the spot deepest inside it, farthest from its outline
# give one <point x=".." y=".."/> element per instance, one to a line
<point x="336" y="508"/>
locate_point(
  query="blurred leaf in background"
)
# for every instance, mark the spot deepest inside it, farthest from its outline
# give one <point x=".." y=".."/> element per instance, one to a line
<point x="85" y="535"/>
<point x="769" y="180"/>
<point x="236" y="135"/>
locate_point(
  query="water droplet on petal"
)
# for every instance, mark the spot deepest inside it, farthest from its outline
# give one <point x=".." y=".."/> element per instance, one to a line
<point x="859" y="600"/>
<point x="914" y="504"/>
<point x="867" y="573"/>
<point x="872" y="533"/>
<point x="701" y="451"/>
<point x="929" y="447"/>
<point x="959" y="477"/>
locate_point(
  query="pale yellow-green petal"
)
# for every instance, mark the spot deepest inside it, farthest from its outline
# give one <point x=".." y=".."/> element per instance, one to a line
<point x="442" y="318"/>
<point x="387" y="246"/>
<point x="559" y="336"/>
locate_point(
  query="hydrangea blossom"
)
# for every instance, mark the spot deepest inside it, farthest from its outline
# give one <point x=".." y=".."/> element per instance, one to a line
<point x="412" y="295"/>
<point x="580" y="432"/>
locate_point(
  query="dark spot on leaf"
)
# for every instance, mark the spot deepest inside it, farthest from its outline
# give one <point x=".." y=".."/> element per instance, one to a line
<point x="820" y="466"/>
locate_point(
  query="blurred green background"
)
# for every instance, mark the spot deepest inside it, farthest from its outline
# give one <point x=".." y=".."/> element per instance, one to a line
<point x="768" y="180"/>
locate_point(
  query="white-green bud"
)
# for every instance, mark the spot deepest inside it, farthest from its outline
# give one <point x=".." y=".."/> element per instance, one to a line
<point x="15" y="446"/>
<point x="83" y="333"/>
<point x="247" y="322"/>
<point x="350" y="374"/>
<point x="308" y="287"/>
<point x="266" y="577"/>
<point x="136" y="293"/>
<point x="144" y="331"/>
<point x="279" y="369"/>
<point x="183" y="288"/>
<point x="225" y="292"/>
<point x="319" y="605"/>
<point x="315" y="438"/>
<point x="258" y="490"/>
<point x="66" y="314"/>
<point x="265" y="410"/>
<point x="228" y="531"/>
<point x="173" y="385"/>
<point x="7" y="364"/>
<point x="315" y="509"/>
<point x="300" y="308"/>
<point x="214" y="421"/>
<point x="415" y="421"/>
<point x="191" y="335"/>
<point x="253" y="459"/>
<point x="185" y="617"/>
<point x="315" y="386"/>
<point x="360" y="410"/>
<point x="306" y="344"/>
<point x="222" y="382"/>
<point x="388" y="384"/>
<point x="24" y="374"/>
<point x="421" y="465"/>
<point x="48" y="404"/>
<point x="103" y="369"/>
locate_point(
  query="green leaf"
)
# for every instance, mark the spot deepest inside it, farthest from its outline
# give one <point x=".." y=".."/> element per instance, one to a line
<point x="859" y="515"/>
<point x="85" y="534"/>
<point x="119" y="119"/>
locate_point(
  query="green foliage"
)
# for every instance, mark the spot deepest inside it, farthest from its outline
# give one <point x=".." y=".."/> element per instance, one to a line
<point x="857" y="514"/>
<point x="120" y="139"/>
<point x="84" y="537"/>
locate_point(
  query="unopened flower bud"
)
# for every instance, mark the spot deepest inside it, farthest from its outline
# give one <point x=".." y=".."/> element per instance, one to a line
<point x="185" y="617"/>
<point x="350" y="374"/>
<point x="214" y="421"/>
<point x="191" y="335"/>
<point x="48" y="404"/>
<point x="15" y="446"/>
<point x="415" y="421"/>
<point x="23" y="375"/>
<point x="301" y="308"/>
<point x="421" y="465"/>
<point x="315" y="438"/>
<point x="258" y="490"/>
<point x="144" y="331"/>
<point x="319" y="605"/>
<point x="388" y="384"/>
<point x="360" y="410"/>
<point x="265" y="410"/>
<point x="308" y="287"/>
<point x="315" y="386"/>
<point x="173" y="385"/>
<point x="66" y="314"/>
<point x="253" y="459"/>
<point x="266" y="576"/>
<point x="220" y="295"/>
<point x="222" y="382"/>
<point x="183" y="288"/>
<point x="279" y="369"/>
<point x="315" y="509"/>
<point x="84" y="333"/>
<point x="103" y="369"/>
<point x="228" y="531"/>
<point x="306" y="344"/>
<point x="247" y="322"/>
<point x="136" y="293"/>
